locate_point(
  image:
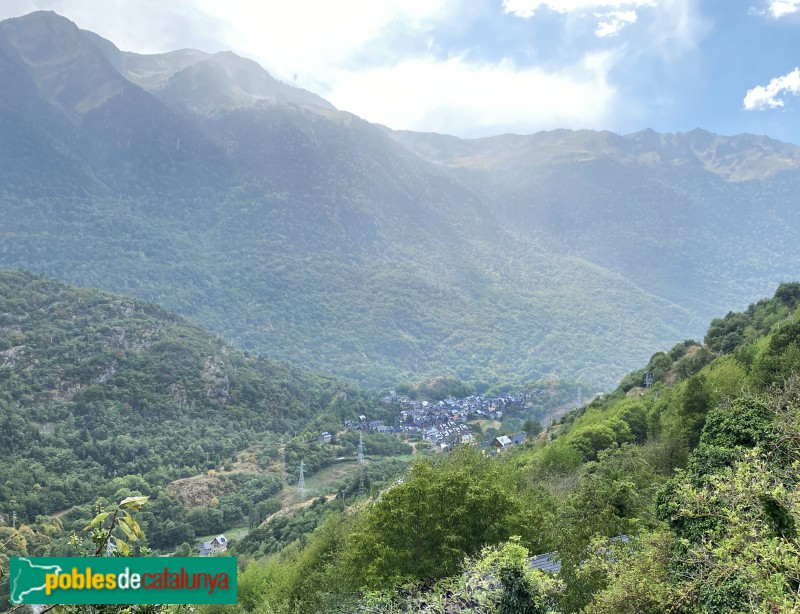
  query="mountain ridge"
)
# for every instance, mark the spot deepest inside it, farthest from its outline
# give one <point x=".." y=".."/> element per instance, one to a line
<point x="646" y="147"/>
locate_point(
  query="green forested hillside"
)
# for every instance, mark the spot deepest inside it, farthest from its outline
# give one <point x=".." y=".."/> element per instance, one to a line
<point x="103" y="394"/>
<point x="699" y="472"/>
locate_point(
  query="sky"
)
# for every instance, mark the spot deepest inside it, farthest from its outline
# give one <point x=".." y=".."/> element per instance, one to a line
<point x="476" y="68"/>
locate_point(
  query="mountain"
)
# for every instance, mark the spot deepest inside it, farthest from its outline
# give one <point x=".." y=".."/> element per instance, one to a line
<point x="75" y="127"/>
<point x="262" y="213"/>
<point x="699" y="219"/>
<point x="739" y="158"/>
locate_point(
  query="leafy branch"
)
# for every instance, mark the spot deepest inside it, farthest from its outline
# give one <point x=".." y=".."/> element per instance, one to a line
<point x="122" y="519"/>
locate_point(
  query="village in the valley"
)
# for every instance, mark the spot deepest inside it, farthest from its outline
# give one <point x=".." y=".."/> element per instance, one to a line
<point x="451" y="421"/>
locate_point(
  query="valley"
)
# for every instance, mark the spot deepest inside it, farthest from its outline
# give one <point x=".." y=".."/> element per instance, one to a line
<point x="391" y="368"/>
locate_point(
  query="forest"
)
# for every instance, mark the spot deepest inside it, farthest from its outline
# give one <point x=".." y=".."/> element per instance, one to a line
<point x="676" y="492"/>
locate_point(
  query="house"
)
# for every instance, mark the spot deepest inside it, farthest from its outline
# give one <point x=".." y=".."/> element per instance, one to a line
<point x="213" y="546"/>
<point x="501" y="443"/>
<point x="549" y="561"/>
<point x="518" y="438"/>
<point x="324" y="437"/>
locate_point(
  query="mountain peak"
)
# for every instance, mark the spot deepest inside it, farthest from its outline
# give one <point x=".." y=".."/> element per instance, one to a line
<point x="741" y="157"/>
<point x="39" y="19"/>
<point x="67" y="69"/>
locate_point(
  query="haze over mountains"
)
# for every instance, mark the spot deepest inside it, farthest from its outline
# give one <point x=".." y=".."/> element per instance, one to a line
<point x="696" y="218"/>
<point x="261" y="212"/>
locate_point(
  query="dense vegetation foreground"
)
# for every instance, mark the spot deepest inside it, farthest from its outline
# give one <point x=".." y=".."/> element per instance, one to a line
<point x="699" y="472"/>
<point x="681" y="496"/>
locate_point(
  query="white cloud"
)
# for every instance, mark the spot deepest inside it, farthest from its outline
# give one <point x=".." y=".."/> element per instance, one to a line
<point x="770" y="96"/>
<point x="528" y="8"/>
<point x="676" y="28"/>
<point x="297" y="35"/>
<point x="611" y="23"/>
<point x="318" y="40"/>
<point x="781" y="8"/>
<point x="611" y="18"/>
<point x="309" y="36"/>
<point x="457" y="97"/>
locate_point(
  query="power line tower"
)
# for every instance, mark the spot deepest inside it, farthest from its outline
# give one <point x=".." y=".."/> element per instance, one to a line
<point x="301" y="484"/>
<point x="580" y="397"/>
<point x="360" y="464"/>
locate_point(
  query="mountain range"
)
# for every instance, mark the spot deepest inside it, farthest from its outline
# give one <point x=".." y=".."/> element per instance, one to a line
<point x="261" y="212"/>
